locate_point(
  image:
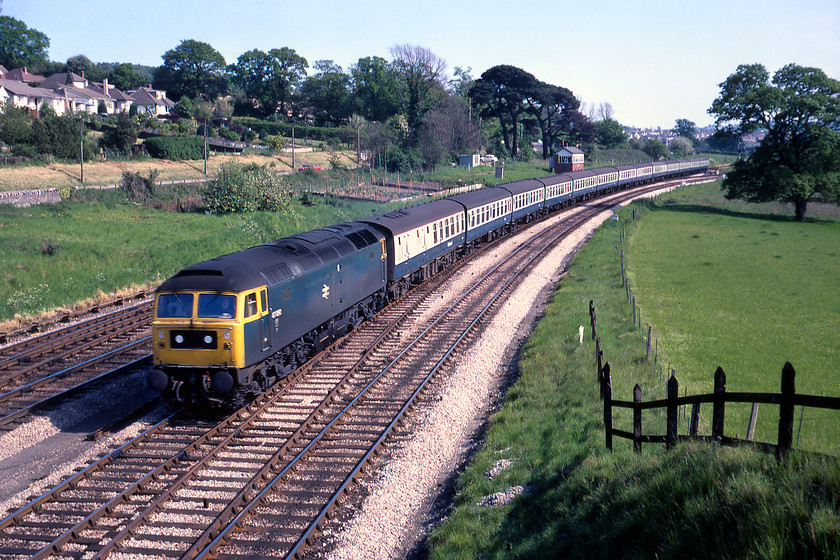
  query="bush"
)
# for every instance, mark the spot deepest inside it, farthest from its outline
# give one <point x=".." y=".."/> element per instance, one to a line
<point x="137" y="187"/>
<point x="175" y="148"/>
<point x="246" y="188"/>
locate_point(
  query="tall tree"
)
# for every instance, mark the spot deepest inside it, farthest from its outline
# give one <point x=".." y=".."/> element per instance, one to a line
<point x="327" y="93"/>
<point x="548" y="104"/>
<point x="610" y="134"/>
<point x="269" y="78"/>
<point x="83" y="66"/>
<point x="501" y="92"/>
<point x="688" y="129"/>
<point x="194" y="69"/>
<point x="125" y="77"/>
<point x="798" y="160"/>
<point x="422" y="73"/>
<point x="376" y="88"/>
<point x="21" y="46"/>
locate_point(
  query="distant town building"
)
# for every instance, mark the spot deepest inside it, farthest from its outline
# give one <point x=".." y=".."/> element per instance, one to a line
<point x="567" y="158"/>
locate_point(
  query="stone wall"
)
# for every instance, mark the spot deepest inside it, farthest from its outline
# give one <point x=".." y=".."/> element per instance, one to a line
<point x="30" y="197"/>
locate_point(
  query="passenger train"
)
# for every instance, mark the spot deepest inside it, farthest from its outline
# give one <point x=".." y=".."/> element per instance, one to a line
<point x="226" y="329"/>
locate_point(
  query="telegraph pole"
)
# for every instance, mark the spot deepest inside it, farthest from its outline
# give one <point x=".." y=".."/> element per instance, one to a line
<point x="82" y="147"/>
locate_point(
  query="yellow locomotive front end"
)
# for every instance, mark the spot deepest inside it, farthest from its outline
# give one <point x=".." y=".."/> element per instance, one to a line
<point x="198" y="343"/>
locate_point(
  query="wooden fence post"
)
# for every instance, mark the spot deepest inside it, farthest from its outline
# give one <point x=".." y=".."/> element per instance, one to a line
<point x="673" y="394"/>
<point x="786" y="410"/>
<point x="719" y="404"/>
<point x="599" y="358"/>
<point x="606" y="393"/>
<point x="650" y="333"/>
<point x="751" y="425"/>
<point x="637" y="419"/>
<point x="695" y="420"/>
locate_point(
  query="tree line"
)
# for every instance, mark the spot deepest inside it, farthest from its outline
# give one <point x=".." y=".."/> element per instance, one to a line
<point x="409" y="112"/>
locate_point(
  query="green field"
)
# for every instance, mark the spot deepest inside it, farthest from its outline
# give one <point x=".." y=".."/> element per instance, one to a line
<point x="699" y="501"/>
<point x="746" y="291"/>
<point x="56" y="255"/>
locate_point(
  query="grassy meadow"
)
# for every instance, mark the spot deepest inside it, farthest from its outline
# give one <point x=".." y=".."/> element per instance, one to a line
<point x="746" y="291"/>
<point x="54" y="255"/>
<point x="698" y="501"/>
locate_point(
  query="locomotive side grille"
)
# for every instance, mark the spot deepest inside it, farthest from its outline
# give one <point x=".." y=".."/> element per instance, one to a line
<point x="203" y="340"/>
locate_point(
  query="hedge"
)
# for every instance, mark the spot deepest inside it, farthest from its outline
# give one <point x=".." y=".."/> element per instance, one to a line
<point x="175" y="148"/>
<point x="345" y="134"/>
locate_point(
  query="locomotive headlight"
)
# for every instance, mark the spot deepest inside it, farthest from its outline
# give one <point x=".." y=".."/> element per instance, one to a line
<point x="160" y="334"/>
<point x="227" y="335"/>
<point x="208" y="339"/>
<point x="179" y="338"/>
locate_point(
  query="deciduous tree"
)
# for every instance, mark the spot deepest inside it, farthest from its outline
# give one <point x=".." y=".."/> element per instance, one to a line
<point x="327" y="93"/>
<point x="798" y="160"/>
<point x="421" y="71"/>
<point x="194" y="69"/>
<point x="270" y="77"/>
<point x="376" y="88"/>
<point x="610" y="134"/>
<point x="125" y="77"/>
<point x="21" y="46"/>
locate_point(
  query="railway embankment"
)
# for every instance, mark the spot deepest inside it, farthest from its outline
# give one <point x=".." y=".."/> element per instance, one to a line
<point x="544" y="484"/>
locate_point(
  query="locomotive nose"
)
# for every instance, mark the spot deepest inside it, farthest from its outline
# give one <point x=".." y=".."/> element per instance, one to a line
<point x="157" y="380"/>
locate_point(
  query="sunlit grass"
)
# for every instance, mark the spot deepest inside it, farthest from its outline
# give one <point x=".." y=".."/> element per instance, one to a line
<point x="55" y="255"/>
<point x="745" y="291"/>
<point x="698" y="501"/>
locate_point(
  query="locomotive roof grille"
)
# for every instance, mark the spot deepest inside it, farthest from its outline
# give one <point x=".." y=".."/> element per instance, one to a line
<point x="277" y="273"/>
<point x="362" y="238"/>
<point x="327" y="254"/>
<point x="308" y="261"/>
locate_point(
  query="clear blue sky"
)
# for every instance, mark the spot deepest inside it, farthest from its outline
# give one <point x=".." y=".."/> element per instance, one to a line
<point x="654" y="61"/>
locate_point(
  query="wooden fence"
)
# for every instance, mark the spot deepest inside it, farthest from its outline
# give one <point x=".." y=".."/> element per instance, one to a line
<point x="787" y="399"/>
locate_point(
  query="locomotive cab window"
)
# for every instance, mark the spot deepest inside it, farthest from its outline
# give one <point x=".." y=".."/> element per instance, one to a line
<point x="175" y="306"/>
<point x="216" y="306"/>
<point x="250" y="305"/>
<point x="264" y="300"/>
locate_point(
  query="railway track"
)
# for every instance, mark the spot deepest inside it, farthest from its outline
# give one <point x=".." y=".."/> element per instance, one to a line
<point x="40" y="370"/>
<point x="266" y="478"/>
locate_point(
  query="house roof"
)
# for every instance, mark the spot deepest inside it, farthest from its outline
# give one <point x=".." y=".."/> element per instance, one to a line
<point x="63" y="79"/>
<point x="113" y="92"/>
<point x="570" y="149"/>
<point x="19" y="88"/>
<point x="22" y="75"/>
<point x="146" y="96"/>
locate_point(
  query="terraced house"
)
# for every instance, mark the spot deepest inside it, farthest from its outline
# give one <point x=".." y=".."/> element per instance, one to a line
<point x="68" y="93"/>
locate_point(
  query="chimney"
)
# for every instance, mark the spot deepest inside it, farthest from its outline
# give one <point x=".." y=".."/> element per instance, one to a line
<point x="105" y="87"/>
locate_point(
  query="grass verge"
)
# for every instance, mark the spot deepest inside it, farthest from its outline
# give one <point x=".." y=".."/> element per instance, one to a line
<point x="54" y="255"/>
<point x="579" y="501"/>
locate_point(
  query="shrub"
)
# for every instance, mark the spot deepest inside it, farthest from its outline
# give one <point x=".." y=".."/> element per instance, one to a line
<point x="137" y="187"/>
<point x="175" y="148"/>
<point x="246" y="188"/>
